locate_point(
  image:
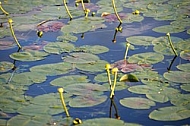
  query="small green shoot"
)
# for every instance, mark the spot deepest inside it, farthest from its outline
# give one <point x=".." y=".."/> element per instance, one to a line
<point x="126" y="51"/>
<point x="115" y="10"/>
<point x="171" y="44"/>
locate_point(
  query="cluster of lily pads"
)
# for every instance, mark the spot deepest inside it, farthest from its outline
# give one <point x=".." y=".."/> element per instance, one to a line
<point x="77" y="63"/>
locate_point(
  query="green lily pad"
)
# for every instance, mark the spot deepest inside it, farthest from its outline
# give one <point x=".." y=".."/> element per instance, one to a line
<point x="68" y="80"/>
<point x="52" y="69"/>
<point x="81" y="58"/>
<point x="119" y="86"/>
<point x="184" y="67"/>
<point x="169" y="29"/>
<point x="184" y="45"/>
<point x="171" y="113"/>
<point x="140" y="40"/>
<point x="185" y="54"/>
<point x="132" y="18"/>
<point x="58" y="47"/>
<point x="6" y="66"/>
<point x="3" y="122"/>
<point x="29" y="55"/>
<point x="88" y="100"/>
<point x="181" y="100"/>
<point x="85" y="88"/>
<point x="146" y="58"/>
<point x="105" y="121"/>
<point x="96" y="49"/>
<point x="178" y="76"/>
<point x="137" y="103"/>
<point x="67" y="37"/>
<point x="158" y="97"/>
<point x="146" y="74"/>
<point x="101" y="77"/>
<point x="4" y="45"/>
<point x="185" y="87"/>
<point x="23" y="120"/>
<point x="97" y="66"/>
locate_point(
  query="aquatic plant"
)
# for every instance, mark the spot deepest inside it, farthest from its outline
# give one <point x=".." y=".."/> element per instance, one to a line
<point x="66" y="8"/>
<point x="108" y="67"/>
<point x="10" y="21"/>
<point x="60" y="90"/>
<point x="1" y="8"/>
<point x="115" y="10"/>
<point x="114" y="71"/>
<point x="170" y="41"/>
<point x="126" y="51"/>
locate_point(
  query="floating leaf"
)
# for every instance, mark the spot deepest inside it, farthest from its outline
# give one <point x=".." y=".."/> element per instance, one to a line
<point x="129" y="78"/>
<point x="101" y="77"/>
<point x="119" y="86"/>
<point x="68" y="80"/>
<point x="137" y="103"/>
<point x="4" y="45"/>
<point x="67" y="37"/>
<point x="81" y="58"/>
<point x="6" y="66"/>
<point x="181" y="100"/>
<point x="146" y="58"/>
<point x="23" y="120"/>
<point x="50" y="26"/>
<point x="125" y="66"/>
<point x="168" y="29"/>
<point x="185" y="54"/>
<point x="185" y="87"/>
<point x="97" y="66"/>
<point x="157" y="97"/>
<point x="35" y="46"/>
<point x="29" y="55"/>
<point x="59" y="47"/>
<point x="85" y="88"/>
<point x="132" y="18"/>
<point x="88" y="100"/>
<point x="184" y="67"/>
<point x="146" y="74"/>
<point x="178" y="76"/>
<point x="52" y="69"/>
<point x="96" y="49"/>
<point x="184" y="45"/>
<point x="140" y="40"/>
<point x="171" y="113"/>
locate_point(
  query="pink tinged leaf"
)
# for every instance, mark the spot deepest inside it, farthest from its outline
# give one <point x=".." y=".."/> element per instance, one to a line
<point x="50" y="26"/>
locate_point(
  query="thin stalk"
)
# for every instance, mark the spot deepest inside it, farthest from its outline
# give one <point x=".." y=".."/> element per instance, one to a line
<point x="126" y="51"/>
<point x="114" y="70"/>
<point x="170" y="41"/>
<point x="1" y="8"/>
<point x="108" y="74"/>
<point x="12" y="32"/>
<point x="115" y="10"/>
<point x="60" y="90"/>
<point x="86" y="11"/>
<point x="66" y="8"/>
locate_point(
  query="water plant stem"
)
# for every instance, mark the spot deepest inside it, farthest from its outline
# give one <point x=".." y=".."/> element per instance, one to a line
<point x="86" y="11"/>
<point x="171" y="44"/>
<point x="115" y="10"/>
<point x="108" y="67"/>
<point x="60" y="90"/>
<point x="126" y="51"/>
<point x="5" y="12"/>
<point x="66" y="8"/>
<point x="114" y="71"/>
<point x="12" y="32"/>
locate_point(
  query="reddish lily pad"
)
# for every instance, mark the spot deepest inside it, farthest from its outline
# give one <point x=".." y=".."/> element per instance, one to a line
<point x="35" y="46"/>
<point x="125" y="66"/>
<point x="6" y="44"/>
<point x="50" y="26"/>
<point x="113" y="18"/>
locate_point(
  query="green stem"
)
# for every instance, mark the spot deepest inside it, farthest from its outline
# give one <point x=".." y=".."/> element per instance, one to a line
<point x="5" y="12"/>
<point x="62" y="101"/>
<point x="66" y="8"/>
<point x="115" y="80"/>
<point x="13" y="34"/>
<point x="126" y="51"/>
<point x="170" y="41"/>
<point x="114" y="7"/>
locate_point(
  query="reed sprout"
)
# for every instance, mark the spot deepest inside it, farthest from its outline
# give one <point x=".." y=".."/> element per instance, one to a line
<point x="171" y="44"/>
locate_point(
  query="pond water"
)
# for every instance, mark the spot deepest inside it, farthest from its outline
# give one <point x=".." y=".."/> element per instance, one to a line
<point x="152" y="84"/>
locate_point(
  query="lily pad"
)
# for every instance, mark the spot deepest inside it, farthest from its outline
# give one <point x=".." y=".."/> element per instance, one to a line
<point x="85" y="88"/>
<point x="137" y="103"/>
<point x="23" y="120"/>
<point x="50" y="26"/>
<point x="184" y="67"/>
<point x="88" y="100"/>
<point x="59" y="47"/>
<point x="185" y="87"/>
<point x="132" y="18"/>
<point x="178" y="76"/>
<point x="29" y="55"/>
<point x="81" y="58"/>
<point x="140" y="40"/>
<point x="97" y="66"/>
<point x="67" y="37"/>
<point x="171" y="113"/>
<point x="146" y="58"/>
<point x="181" y="100"/>
<point x="6" y="66"/>
<point x="169" y="29"/>
<point x="52" y="69"/>
<point x="68" y="80"/>
<point x="4" y="45"/>
<point x="185" y="54"/>
<point x="96" y="49"/>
